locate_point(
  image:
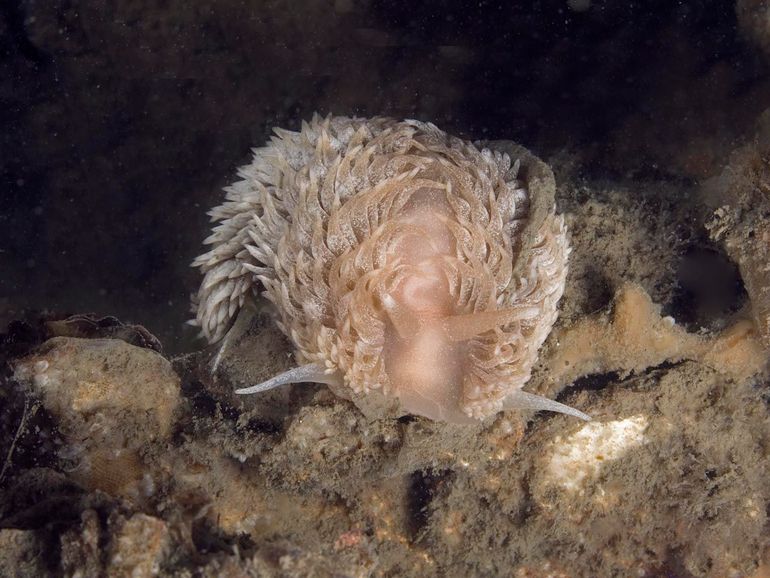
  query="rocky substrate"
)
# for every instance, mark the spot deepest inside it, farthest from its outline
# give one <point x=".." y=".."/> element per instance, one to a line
<point x="119" y="461"/>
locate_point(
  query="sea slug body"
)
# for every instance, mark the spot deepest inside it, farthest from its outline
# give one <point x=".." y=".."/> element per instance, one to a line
<point x="402" y="262"/>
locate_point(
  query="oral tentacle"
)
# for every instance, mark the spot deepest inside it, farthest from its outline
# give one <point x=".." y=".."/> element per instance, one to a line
<point x="310" y="373"/>
<point x="524" y="400"/>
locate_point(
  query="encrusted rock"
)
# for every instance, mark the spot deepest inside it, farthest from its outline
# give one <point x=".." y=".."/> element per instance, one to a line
<point x="110" y="399"/>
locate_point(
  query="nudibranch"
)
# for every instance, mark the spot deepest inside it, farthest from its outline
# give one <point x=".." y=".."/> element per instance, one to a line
<point x="404" y="264"/>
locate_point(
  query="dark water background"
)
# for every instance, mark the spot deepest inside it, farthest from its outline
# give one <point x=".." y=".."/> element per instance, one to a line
<point x="121" y="120"/>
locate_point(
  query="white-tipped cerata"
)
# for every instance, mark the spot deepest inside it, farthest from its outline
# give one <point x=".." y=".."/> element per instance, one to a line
<point x="400" y="260"/>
